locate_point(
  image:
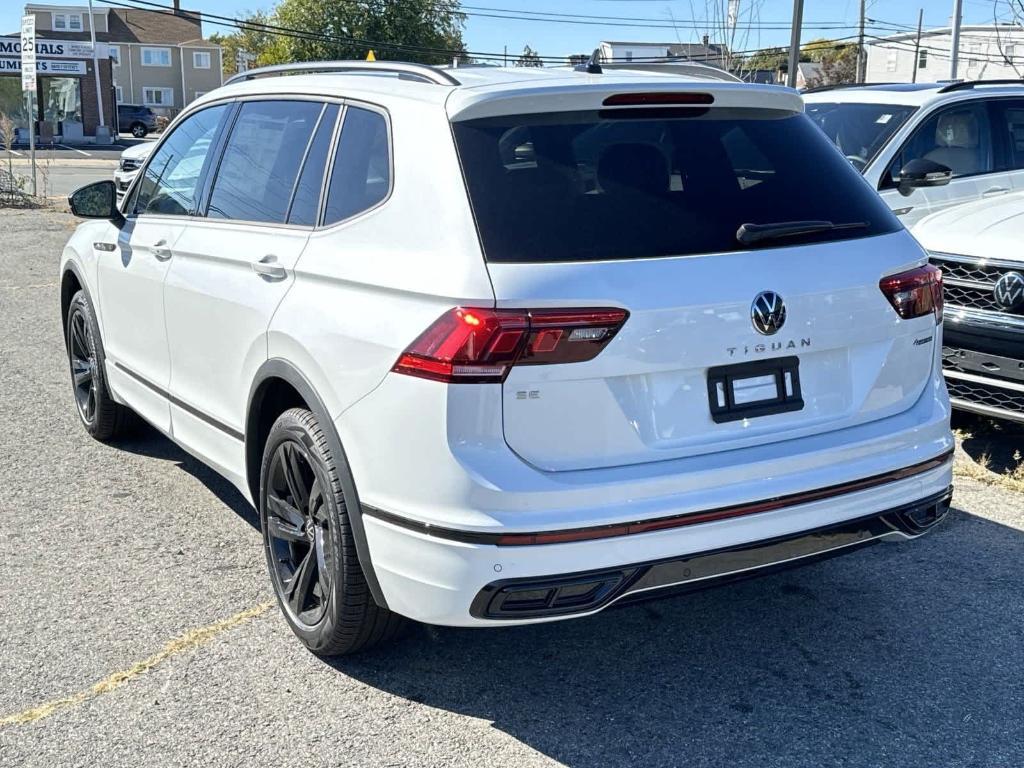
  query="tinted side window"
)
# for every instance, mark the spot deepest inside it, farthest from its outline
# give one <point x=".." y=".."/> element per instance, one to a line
<point x="261" y="160"/>
<point x="361" y="176"/>
<point x="958" y="137"/>
<point x="1010" y="123"/>
<point x="170" y="185"/>
<point x="306" y="200"/>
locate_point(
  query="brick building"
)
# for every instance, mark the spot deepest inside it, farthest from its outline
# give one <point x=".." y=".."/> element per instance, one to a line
<point x="155" y="58"/>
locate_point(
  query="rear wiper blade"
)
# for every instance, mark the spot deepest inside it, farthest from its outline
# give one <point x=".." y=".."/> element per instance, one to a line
<point x="748" y="233"/>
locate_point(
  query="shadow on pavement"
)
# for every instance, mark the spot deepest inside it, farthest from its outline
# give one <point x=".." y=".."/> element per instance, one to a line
<point x="894" y="656"/>
<point x="147" y="441"/>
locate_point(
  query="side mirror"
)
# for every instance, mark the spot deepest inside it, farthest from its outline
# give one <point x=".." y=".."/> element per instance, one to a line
<point x="96" y="201"/>
<point x="920" y="173"/>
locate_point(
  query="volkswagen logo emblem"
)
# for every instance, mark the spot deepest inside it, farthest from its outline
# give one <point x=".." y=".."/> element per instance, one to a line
<point x="1009" y="290"/>
<point x="768" y="313"/>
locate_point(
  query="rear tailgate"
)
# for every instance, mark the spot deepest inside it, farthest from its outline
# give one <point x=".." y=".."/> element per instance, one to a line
<point x="639" y="207"/>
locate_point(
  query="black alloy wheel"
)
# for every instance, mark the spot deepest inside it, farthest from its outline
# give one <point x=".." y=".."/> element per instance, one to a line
<point x="102" y="416"/>
<point x="306" y="489"/>
<point x="82" y="352"/>
<point x="138" y="130"/>
<point x="298" y="534"/>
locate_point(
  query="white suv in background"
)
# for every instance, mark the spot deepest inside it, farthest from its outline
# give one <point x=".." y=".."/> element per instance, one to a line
<point x="495" y="346"/>
<point x="928" y="146"/>
<point x="130" y="163"/>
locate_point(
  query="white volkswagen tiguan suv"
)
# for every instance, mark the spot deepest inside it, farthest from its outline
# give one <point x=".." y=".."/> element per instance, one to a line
<point x="494" y="346"/>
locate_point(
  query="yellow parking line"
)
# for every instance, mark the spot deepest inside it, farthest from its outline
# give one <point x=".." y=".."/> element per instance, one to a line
<point x="187" y="641"/>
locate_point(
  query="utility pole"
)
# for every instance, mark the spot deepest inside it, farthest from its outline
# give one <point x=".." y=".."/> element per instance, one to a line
<point x="860" y="46"/>
<point x="96" y="70"/>
<point x="958" y="6"/>
<point x="794" y="42"/>
<point x="917" y="45"/>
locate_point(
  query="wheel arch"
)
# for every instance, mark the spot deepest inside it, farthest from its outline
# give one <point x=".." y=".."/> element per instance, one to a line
<point x="277" y="386"/>
<point x="71" y="282"/>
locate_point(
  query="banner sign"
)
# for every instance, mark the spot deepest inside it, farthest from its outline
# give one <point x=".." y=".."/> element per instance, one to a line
<point x="53" y="49"/>
<point x="45" y="67"/>
<point x="28" y="53"/>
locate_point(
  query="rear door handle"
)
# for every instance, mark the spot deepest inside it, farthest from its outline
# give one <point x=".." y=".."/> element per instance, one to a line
<point x="993" y="191"/>
<point x="161" y="251"/>
<point x="269" y="268"/>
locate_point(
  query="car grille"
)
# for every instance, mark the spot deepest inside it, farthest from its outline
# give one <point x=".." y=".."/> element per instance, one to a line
<point x="979" y="393"/>
<point x="969" y="283"/>
<point x="129" y="165"/>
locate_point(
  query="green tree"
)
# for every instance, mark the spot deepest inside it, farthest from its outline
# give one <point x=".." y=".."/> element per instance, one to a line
<point x="267" y="47"/>
<point x="394" y="30"/>
<point x="838" y="60"/>
<point x="766" y="58"/>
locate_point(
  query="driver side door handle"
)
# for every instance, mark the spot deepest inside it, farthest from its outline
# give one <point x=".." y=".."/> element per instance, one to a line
<point x="993" y="191"/>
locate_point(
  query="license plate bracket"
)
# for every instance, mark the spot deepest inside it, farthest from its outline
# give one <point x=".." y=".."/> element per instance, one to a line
<point x="758" y="388"/>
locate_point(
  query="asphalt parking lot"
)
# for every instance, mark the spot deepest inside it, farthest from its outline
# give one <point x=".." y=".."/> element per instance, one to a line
<point x="136" y="625"/>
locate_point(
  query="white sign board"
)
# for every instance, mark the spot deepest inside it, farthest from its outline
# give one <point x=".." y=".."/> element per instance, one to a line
<point x="54" y="49"/>
<point x="28" y="53"/>
<point x="46" y="67"/>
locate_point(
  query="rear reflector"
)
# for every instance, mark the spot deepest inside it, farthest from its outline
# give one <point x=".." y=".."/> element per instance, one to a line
<point x="657" y="99"/>
<point x="473" y="345"/>
<point x="915" y="293"/>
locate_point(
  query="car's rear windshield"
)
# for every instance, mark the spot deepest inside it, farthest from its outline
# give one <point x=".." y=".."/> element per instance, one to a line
<point x="589" y="186"/>
<point x="859" y="130"/>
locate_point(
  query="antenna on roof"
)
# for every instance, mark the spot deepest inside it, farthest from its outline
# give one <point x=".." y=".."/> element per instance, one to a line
<point x="593" y="65"/>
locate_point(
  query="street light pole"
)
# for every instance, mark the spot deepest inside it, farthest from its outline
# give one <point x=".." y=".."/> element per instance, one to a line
<point x="958" y="6"/>
<point x="794" y="42"/>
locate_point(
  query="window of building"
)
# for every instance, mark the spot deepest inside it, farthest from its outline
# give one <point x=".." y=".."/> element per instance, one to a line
<point x="117" y="90"/>
<point x="629" y="55"/>
<point x="891" y="60"/>
<point x="71" y="22"/>
<point x="62" y="100"/>
<point x="156" y="57"/>
<point x="115" y="54"/>
<point x="1009" y="51"/>
<point x="922" y="60"/>
<point x="157" y="97"/>
<point x="200" y="93"/>
<point x="262" y="159"/>
<point x="201" y="59"/>
<point x="973" y="52"/>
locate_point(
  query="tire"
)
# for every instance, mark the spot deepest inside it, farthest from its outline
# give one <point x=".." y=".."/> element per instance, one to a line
<point x="310" y="550"/>
<point x="102" y="417"/>
<point x="138" y="130"/>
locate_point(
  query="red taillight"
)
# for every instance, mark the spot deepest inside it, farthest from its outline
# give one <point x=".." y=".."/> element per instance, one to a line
<point x="660" y="98"/>
<point x="470" y="345"/>
<point x="915" y="293"/>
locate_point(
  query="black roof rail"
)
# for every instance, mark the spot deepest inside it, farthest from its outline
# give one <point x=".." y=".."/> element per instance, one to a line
<point x="421" y="72"/>
<point x="964" y="85"/>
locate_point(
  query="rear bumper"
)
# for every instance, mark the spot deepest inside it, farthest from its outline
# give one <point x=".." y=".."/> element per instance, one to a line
<point x="512" y="599"/>
<point x="440" y="577"/>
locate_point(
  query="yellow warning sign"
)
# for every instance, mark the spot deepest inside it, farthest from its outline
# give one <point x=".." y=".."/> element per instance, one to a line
<point x="370" y="56"/>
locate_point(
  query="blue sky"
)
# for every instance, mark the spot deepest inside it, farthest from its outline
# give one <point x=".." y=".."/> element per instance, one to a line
<point x="654" y="20"/>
